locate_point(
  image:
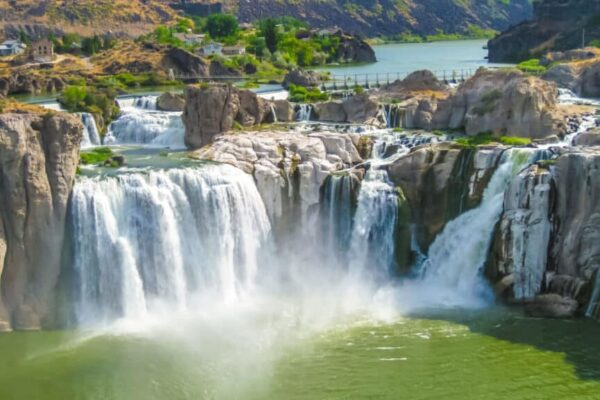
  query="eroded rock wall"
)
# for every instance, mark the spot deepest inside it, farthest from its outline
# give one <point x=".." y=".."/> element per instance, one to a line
<point x="38" y="160"/>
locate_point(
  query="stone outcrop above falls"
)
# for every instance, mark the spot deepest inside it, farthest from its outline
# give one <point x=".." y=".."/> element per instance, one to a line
<point x="583" y="78"/>
<point x="287" y="166"/>
<point x="358" y="109"/>
<point x="548" y="239"/>
<point x="212" y="110"/>
<point x="504" y="102"/>
<point x="38" y="159"/>
<point x="440" y="182"/>
<point x="169" y="101"/>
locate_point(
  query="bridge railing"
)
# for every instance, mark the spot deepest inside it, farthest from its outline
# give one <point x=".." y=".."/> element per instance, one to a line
<point x="349" y="81"/>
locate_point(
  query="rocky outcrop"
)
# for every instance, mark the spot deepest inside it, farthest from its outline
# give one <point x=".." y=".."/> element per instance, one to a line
<point x="440" y="181"/>
<point x="557" y="25"/>
<point x="38" y="158"/>
<point x="552" y="306"/>
<point x="169" y="101"/>
<point x="390" y="17"/>
<point x="354" y="50"/>
<point x="525" y="106"/>
<point x="188" y="63"/>
<point x="24" y="82"/>
<point x="357" y="109"/>
<point x="301" y="77"/>
<point x="581" y="78"/>
<point x="287" y="167"/>
<point x="213" y="110"/>
<point x="284" y="111"/>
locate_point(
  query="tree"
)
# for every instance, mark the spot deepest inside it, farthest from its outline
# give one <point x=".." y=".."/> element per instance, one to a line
<point x="269" y="31"/>
<point x="91" y="46"/>
<point x="222" y="25"/>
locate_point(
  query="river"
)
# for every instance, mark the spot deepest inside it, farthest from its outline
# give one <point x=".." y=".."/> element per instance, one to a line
<point x="176" y="285"/>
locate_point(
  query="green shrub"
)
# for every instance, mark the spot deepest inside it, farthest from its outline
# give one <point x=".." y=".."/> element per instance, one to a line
<point x="97" y="156"/>
<point x="98" y="101"/>
<point x="532" y="66"/>
<point x="301" y="94"/>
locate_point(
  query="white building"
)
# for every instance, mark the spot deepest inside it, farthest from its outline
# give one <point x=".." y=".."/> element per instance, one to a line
<point x="234" y="50"/>
<point x="190" y="39"/>
<point x="212" y="48"/>
<point x="12" y="48"/>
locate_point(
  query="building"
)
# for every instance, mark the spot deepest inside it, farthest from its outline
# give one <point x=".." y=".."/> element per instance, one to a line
<point x="42" y="51"/>
<point x="234" y="50"/>
<point x="191" y="39"/>
<point x="212" y="48"/>
<point x="12" y="48"/>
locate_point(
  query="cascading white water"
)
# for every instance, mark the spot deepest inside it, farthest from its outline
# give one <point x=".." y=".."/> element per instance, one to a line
<point x="91" y="137"/>
<point x="337" y="212"/>
<point x="304" y="112"/>
<point x="593" y="309"/>
<point x="144" y="240"/>
<point x="452" y="271"/>
<point x="141" y="102"/>
<point x="141" y="126"/>
<point x="273" y="113"/>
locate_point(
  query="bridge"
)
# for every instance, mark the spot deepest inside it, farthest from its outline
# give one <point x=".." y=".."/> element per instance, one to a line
<point x="343" y="82"/>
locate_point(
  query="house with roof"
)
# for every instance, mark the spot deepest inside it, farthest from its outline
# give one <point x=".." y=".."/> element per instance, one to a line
<point x="212" y="48"/>
<point x="42" y="51"/>
<point x="191" y="39"/>
<point x="234" y="50"/>
<point x="12" y="48"/>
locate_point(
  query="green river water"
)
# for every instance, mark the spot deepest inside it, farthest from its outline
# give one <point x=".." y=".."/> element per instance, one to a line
<point x="494" y="354"/>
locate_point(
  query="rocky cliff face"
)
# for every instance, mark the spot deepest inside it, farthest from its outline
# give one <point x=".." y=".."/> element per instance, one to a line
<point x="557" y="25"/>
<point x="38" y="158"/>
<point x="389" y="17"/>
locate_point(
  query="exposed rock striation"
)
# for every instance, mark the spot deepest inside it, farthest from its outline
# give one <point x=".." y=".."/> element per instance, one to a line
<point x="38" y="159"/>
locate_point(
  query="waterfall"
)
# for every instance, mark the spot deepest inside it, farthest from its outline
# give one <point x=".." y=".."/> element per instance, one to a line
<point x="156" y="128"/>
<point x="593" y="310"/>
<point x="142" y="240"/>
<point x="372" y="246"/>
<point x="452" y="270"/>
<point x="304" y="112"/>
<point x="273" y="113"/>
<point x="337" y="210"/>
<point x="91" y="137"/>
<point x="141" y="102"/>
<point x="393" y="116"/>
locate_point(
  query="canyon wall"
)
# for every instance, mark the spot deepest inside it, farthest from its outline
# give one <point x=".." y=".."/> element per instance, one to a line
<point x="38" y="160"/>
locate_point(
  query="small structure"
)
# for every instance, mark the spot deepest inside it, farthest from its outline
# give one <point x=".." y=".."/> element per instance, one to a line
<point x="246" y="26"/>
<point x="12" y="48"/>
<point x="329" y="32"/>
<point x="212" y="48"/>
<point x="42" y="51"/>
<point x="191" y="39"/>
<point x="234" y="50"/>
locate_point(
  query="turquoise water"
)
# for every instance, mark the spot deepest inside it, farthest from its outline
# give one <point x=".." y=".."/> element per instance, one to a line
<point x="404" y="58"/>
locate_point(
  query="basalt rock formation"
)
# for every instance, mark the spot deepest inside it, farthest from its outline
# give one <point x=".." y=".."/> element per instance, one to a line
<point x="504" y="102"/>
<point x="213" y="110"/>
<point x="557" y="25"/>
<point x="38" y="158"/>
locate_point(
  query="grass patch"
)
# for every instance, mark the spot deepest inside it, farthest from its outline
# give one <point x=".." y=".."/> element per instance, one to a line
<point x="532" y="66"/>
<point x="97" y="156"/>
<point x="488" y="138"/>
<point x="301" y="94"/>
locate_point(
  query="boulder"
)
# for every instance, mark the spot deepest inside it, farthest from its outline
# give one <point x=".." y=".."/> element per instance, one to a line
<point x="331" y="111"/>
<point x="360" y="109"/>
<point x="39" y="155"/>
<point x="301" y="77"/>
<point x="187" y="63"/>
<point x="552" y="306"/>
<point x="211" y="110"/>
<point x="565" y="76"/>
<point x="354" y="49"/>
<point x="506" y="103"/>
<point x="169" y="101"/>
<point x="284" y="111"/>
<point x="589" y="138"/>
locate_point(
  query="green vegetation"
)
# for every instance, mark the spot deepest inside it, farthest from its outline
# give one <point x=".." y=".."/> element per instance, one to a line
<point x="532" y="66"/>
<point x="489" y="138"/>
<point x="220" y="26"/>
<point x="97" y="101"/>
<point x="472" y="32"/>
<point x="301" y="94"/>
<point x="97" y="156"/>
